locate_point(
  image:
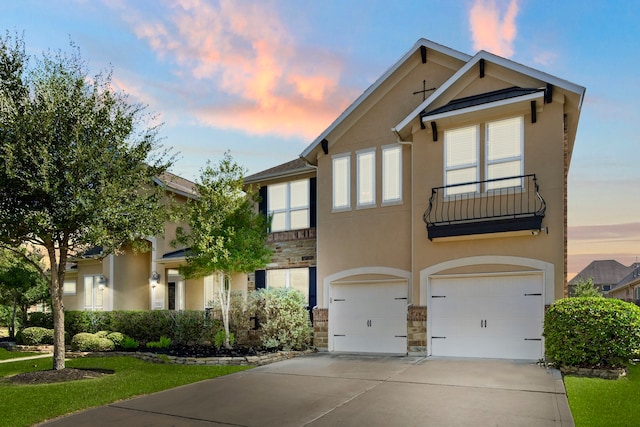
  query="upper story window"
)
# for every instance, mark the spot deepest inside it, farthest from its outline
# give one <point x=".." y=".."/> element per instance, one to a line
<point x="288" y="204"/>
<point x="461" y="158"/>
<point x="366" y="178"/>
<point x="503" y="156"/>
<point x="391" y="174"/>
<point x="341" y="179"/>
<point x="505" y="140"/>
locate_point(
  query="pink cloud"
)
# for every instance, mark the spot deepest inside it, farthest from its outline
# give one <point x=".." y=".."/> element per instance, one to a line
<point x="243" y="51"/>
<point x="491" y="31"/>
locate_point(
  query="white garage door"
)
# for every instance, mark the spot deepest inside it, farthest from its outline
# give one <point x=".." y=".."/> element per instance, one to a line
<point x="368" y="317"/>
<point x="489" y="316"/>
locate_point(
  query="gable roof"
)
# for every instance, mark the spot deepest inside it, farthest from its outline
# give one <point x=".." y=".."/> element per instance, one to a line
<point x="177" y="184"/>
<point x="632" y="278"/>
<point x="417" y="45"/>
<point x="501" y="62"/>
<point x="603" y="272"/>
<point x="294" y="167"/>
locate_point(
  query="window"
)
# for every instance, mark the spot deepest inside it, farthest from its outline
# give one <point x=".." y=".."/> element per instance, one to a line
<point x="69" y="287"/>
<point x="93" y="293"/>
<point x="295" y="278"/>
<point x="341" y="182"/>
<point x="209" y="291"/>
<point x="461" y="159"/>
<point x="288" y="205"/>
<point x="504" y="152"/>
<point x="391" y="174"/>
<point x="636" y="293"/>
<point x="366" y="162"/>
<point x="503" y="156"/>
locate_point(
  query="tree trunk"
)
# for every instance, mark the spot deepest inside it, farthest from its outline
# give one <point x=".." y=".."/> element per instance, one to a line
<point x="225" y="297"/>
<point x="12" y="326"/>
<point x="57" y="278"/>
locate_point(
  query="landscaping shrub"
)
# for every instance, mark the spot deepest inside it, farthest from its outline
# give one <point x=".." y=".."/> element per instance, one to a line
<point x="143" y="326"/>
<point x="188" y="327"/>
<point x="239" y="321"/>
<point x="164" y="342"/>
<point x="283" y="317"/>
<point x="102" y="334"/>
<point x="116" y="337"/>
<point x="85" y="341"/>
<point x="39" y="318"/>
<point x="129" y="343"/>
<point x="592" y="332"/>
<point x="36" y="335"/>
<point x="88" y="321"/>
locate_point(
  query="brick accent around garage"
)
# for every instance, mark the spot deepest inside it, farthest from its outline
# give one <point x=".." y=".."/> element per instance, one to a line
<point x="417" y="330"/>
<point x="321" y="328"/>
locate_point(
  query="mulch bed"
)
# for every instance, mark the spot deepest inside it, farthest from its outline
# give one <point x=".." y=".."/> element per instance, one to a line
<point x="56" y="376"/>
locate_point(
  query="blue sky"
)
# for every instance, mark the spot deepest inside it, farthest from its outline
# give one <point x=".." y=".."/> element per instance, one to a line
<point x="263" y="78"/>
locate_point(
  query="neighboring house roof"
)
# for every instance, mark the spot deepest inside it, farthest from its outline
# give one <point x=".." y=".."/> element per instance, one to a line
<point x="421" y="42"/>
<point x="603" y="272"/>
<point x="291" y="168"/>
<point x="177" y="184"/>
<point x="630" y="279"/>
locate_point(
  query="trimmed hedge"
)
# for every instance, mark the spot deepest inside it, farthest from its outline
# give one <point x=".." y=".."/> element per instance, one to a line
<point x="592" y="332"/>
<point x="36" y="335"/>
<point x="91" y="342"/>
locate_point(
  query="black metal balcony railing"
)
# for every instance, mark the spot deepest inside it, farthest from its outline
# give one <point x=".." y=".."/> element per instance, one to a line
<point x="491" y="206"/>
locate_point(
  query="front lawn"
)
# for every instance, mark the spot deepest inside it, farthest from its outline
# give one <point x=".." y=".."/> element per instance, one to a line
<point x="24" y="405"/>
<point x="598" y="402"/>
<point x="6" y="354"/>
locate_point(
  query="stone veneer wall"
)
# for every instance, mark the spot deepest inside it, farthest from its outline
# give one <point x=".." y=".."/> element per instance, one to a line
<point x="321" y="328"/>
<point x="293" y="249"/>
<point x="417" y="329"/>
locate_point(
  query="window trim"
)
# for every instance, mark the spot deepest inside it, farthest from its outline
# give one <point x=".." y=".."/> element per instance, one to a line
<point x="385" y="149"/>
<point x="347" y="185"/>
<point x="359" y="155"/>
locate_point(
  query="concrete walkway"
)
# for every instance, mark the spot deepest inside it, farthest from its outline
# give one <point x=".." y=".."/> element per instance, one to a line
<point x="331" y="390"/>
<point x="17" y="359"/>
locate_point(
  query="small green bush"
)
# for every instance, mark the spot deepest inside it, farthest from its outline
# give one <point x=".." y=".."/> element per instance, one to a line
<point x="283" y="317"/>
<point x="188" y="327"/>
<point x="218" y="339"/>
<point x="36" y="335"/>
<point x="116" y="337"/>
<point x="164" y="342"/>
<point x="129" y="343"/>
<point x="85" y="341"/>
<point x="592" y="332"/>
<point x="102" y="334"/>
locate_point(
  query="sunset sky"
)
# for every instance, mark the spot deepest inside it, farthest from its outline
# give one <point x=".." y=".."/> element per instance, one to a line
<point x="263" y="78"/>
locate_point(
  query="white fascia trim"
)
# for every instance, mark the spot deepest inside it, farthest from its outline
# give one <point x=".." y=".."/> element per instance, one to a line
<point x="480" y="107"/>
<point x="421" y="42"/>
<point x="498" y="61"/>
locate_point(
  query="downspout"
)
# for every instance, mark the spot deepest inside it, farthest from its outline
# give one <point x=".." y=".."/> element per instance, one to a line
<point x="400" y="141"/>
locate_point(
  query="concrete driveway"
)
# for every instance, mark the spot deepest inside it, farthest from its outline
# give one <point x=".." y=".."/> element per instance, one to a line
<point x="345" y="390"/>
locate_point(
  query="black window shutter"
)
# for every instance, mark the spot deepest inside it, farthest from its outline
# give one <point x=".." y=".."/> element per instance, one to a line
<point x="261" y="276"/>
<point x="312" y="287"/>
<point x="262" y="207"/>
<point x="312" y="204"/>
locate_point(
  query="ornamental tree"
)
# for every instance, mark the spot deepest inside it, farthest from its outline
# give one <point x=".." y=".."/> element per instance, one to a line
<point x="226" y="233"/>
<point x="77" y="163"/>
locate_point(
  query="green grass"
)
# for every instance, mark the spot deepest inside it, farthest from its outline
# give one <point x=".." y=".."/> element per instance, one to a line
<point x="24" y="405"/>
<point x="598" y="402"/>
<point x="6" y="354"/>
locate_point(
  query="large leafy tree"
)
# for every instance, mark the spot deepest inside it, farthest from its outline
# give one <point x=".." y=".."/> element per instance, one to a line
<point x="21" y="284"/>
<point x="77" y="162"/>
<point x="226" y="233"/>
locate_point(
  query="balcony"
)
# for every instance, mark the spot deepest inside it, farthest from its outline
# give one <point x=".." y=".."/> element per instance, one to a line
<point x="505" y="205"/>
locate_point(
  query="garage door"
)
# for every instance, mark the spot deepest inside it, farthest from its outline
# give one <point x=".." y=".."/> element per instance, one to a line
<point x="489" y="316"/>
<point x="369" y="317"/>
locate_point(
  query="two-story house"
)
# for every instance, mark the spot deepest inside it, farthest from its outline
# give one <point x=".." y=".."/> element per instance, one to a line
<point x="442" y="208"/>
